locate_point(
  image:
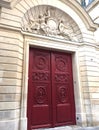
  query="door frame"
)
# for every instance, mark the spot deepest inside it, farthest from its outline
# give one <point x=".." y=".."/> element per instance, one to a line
<point x="46" y="43"/>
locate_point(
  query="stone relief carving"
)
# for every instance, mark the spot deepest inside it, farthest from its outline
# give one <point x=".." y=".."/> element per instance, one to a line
<point x="46" y="24"/>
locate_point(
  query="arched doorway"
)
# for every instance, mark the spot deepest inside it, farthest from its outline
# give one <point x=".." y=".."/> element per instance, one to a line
<point x="50" y="93"/>
<point x="50" y="28"/>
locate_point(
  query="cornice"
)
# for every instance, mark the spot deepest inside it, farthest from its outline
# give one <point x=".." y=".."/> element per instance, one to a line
<point x="91" y="6"/>
<point x="82" y="13"/>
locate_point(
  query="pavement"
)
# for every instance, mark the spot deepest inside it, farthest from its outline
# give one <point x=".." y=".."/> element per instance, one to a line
<point x="71" y="128"/>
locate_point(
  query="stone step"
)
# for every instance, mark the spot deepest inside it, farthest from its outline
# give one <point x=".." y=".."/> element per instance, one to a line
<point x="70" y="128"/>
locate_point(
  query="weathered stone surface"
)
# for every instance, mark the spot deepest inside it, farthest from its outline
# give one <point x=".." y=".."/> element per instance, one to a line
<point x="14" y="57"/>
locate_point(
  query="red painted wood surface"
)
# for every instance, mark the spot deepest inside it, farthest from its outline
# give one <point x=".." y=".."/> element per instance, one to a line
<point x="50" y="90"/>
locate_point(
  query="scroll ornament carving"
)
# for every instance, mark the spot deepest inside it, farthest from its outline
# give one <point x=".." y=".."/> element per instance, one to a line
<point x="41" y="95"/>
<point x="48" y="25"/>
<point x="61" y="78"/>
<point x="62" y="94"/>
<point x="40" y="76"/>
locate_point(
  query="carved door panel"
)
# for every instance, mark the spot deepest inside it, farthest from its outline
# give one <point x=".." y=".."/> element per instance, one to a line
<point x="50" y="91"/>
<point x="62" y="89"/>
<point x="39" y="92"/>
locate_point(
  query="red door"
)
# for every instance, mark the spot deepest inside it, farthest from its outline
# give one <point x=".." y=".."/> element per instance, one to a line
<point x="50" y="90"/>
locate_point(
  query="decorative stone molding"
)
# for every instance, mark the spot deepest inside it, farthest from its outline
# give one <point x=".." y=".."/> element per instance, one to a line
<point x="91" y="26"/>
<point x="72" y="4"/>
<point x="49" y="21"/>
<point x="8" y="3"/>
<point x="92" y="5"/>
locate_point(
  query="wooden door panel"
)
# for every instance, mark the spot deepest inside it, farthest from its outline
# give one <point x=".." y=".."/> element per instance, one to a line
<point x="41" y="107"/>
<point x="62" y="87"/>
<point x="39" y="89"/>
<point x="40" y="115"/>
<point x="50" y="91"/>
<point x="63" y="113"/>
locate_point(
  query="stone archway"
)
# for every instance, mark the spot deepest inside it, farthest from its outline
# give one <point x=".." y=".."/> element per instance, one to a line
<point x="50" y="23"/>
<point x="45" y="25"/>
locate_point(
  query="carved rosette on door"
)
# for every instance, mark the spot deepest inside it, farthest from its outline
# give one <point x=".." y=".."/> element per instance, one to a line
<point x="40" y="62"/>
<point x="60" y="64"/>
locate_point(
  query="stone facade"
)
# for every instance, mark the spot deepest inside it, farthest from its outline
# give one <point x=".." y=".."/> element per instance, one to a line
<point x="17" y="34"/>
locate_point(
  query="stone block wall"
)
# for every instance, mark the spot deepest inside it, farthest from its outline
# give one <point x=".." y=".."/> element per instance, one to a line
<point x="89" y="71"/>
<point x="11" y="60"/>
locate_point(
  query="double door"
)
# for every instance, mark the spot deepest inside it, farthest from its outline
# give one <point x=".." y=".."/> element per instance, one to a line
<point x="50" y="89"/>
